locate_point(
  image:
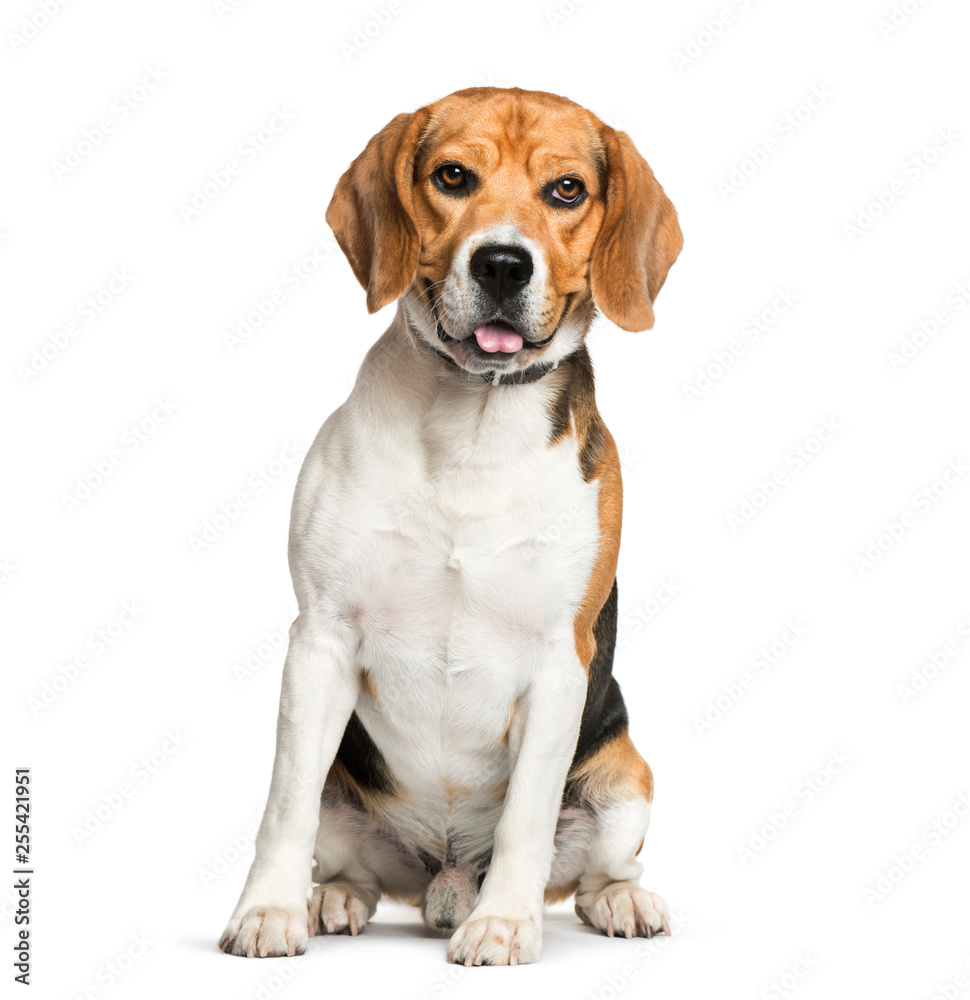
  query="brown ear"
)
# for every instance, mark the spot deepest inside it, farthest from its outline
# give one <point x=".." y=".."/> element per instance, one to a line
<point x="371" y="211"/>
<point x="638" y="240"/>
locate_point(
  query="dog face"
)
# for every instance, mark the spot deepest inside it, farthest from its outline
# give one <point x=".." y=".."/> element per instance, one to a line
<point x="503" y="216"/>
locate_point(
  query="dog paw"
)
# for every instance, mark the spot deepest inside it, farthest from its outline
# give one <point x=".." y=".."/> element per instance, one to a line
<point x="340" y="908"/>
<point x="266" y="932"/>
<point x="624" y="910"/>
<point x="495" y="941"/>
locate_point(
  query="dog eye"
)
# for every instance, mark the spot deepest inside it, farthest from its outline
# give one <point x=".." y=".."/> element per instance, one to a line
<point x="451" y="177"/>
<point x="567" y="190"/>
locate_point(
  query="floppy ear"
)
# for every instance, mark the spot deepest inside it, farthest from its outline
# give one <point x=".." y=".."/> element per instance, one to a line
<point x="371" y="212"/>
<point x="638" y="240"/>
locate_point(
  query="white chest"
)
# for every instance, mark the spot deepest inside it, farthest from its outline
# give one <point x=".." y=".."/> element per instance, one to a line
<point x="454" y="609"/>
<point x="458" y="551"/>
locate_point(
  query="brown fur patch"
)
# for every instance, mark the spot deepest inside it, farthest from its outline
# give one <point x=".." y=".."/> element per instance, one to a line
<point x="500" y="790"/>
<point x="408" y="898"/>
<point x="557" y="893"/>
<point x="615" y="771"/>
<point x="340" y="780"/>
<point x="599" y="460"/>
<point x="371" y="214"/>
<point x="454" y="791"/>
<point x="368" y="684"/>
<point x="639" y="240"/>
<point x="573" y="411"/>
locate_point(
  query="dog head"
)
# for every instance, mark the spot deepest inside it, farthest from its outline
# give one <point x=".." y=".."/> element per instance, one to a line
<point x="502" y="217"/>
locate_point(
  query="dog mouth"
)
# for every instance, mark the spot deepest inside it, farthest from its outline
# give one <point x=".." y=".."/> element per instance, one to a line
<point x="495" y="340"/>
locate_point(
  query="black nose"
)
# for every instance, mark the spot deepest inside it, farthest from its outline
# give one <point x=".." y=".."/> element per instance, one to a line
<point x="502" y="271"/>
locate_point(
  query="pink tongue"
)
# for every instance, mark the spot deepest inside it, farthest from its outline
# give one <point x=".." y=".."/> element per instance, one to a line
<point x="498" y="338"/>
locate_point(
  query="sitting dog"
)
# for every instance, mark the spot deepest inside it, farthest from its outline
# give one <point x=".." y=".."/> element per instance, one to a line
<point x="450" y="732"/>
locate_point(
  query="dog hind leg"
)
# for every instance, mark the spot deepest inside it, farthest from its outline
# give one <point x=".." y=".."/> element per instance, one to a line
<point x="617" y="786"/>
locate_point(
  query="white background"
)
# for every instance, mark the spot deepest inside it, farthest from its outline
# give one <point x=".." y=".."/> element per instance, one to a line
<point x="842" y="692"/>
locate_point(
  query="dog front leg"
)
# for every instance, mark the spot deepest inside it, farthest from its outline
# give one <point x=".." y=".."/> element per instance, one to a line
<point x="505" y="927"/>
<point x="319" y="692"/>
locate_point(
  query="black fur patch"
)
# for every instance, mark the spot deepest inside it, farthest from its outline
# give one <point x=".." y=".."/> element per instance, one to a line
<point x="576" y="398"/>
<point x="445" y="920"/>
<point x="559" y="410"/>
<point x="481" y="865"/>
<point x="432" y="864"/>
<point x="604" y="714"/>
<point x="362" y="760"/>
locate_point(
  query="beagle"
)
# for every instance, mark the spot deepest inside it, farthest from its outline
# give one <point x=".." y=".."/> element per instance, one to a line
<point x="450" y="732"/>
